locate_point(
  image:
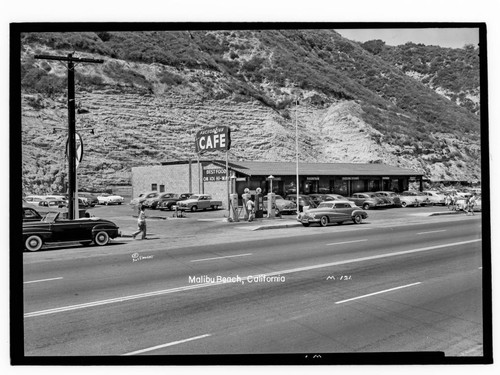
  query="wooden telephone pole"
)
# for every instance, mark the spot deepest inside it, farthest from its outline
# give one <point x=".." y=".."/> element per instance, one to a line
<point x="73" y="206"/>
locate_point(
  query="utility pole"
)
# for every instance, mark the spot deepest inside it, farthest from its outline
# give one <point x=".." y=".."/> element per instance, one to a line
<point x="72" y="206"/>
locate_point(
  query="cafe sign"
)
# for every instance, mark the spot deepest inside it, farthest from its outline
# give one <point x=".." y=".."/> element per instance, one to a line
<point x="212" y="139"/>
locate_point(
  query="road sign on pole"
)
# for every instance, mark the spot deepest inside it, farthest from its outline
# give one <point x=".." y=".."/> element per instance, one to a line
<point x="78" y="149"/>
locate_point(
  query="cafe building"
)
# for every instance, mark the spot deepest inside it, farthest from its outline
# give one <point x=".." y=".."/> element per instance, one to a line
<point x="212" y="177"/>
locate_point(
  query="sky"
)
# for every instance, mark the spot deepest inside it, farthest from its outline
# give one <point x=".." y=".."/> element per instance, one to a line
<point x="443" y="37"/>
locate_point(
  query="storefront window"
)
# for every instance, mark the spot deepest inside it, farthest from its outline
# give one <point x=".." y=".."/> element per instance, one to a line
<point x="340" y="187"/>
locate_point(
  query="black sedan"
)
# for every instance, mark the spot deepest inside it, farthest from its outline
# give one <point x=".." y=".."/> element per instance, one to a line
<point x="332" y="212"/>
<point x="53" y="228"/>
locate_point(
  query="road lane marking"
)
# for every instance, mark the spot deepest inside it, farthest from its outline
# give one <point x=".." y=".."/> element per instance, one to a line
<point x="342" y="243"/>
<point x="225" y="257"/>
<point x="434" y="231"/>
<point x="166" y="345"/>
<point x="40" y="281"/>
<point x="373" y="294"/>
<point x="204" y="285"/>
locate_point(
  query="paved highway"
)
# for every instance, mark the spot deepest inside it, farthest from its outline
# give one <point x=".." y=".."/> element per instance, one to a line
<point x="350" y="288"/>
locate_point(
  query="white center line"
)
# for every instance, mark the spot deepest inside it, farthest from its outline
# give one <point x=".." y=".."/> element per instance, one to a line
<point x="39" y="281"/>
<point x="206" y="285"/>
<point x="228" y="256"/>
<point x="434" y="231"/>
<point x="382" y="291"/>
<point x="342" y="243"/>
<point x="166" y="345"/>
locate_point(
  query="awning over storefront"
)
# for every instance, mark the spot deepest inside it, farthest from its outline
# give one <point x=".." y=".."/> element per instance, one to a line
<point x="257" y="168"/>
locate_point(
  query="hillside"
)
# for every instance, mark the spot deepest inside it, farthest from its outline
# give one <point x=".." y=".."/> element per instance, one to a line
<point x="451" y="72"/>
<point x="156" y="89"/>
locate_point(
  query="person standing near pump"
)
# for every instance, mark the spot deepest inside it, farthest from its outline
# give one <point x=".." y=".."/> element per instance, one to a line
<point x="141" y="223"/>
<point x="250" y="209"/>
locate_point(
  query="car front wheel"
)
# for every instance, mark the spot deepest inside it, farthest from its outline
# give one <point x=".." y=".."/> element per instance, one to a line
<point x="366" y="206"/>
<point x="357" y="219"/>
<point x="194" y="208"/>
<point x="33" y="243"/>
<point x="101" y="238"/>
<point x="305" y="224"/>
<point x="323" y="221"/>
<point x="404" y="204"/>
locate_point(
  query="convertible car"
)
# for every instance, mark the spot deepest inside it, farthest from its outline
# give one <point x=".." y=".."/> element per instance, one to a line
<point x="53" y="228"/>
<point x="332" y="212"/>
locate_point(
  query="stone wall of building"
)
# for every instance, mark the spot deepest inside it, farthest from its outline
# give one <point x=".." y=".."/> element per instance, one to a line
<point x="175" y="179"/>
<point x="169" y="178"/>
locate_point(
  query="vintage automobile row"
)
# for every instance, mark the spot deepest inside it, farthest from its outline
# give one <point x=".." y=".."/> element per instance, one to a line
<point x="379" y="199"/>
<point x="170" y="201"/>
<point x="84" y="200"/>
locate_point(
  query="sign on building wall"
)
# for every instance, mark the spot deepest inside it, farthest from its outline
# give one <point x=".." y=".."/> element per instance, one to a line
<point x="211" y="139"/>
<point x="216" y="174"/>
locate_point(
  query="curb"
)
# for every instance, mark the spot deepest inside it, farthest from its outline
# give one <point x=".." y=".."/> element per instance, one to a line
<point x="275" y="226"/>
<point x="446" y="213"/>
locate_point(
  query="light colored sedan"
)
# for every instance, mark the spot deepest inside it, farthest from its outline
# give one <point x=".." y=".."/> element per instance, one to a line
<point x="413" y="198"/>
<point x="110" y="199"/>
<point x="435" y="197"/>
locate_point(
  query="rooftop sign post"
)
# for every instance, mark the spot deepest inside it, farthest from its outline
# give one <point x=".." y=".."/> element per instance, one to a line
<point x="217" y="138"/>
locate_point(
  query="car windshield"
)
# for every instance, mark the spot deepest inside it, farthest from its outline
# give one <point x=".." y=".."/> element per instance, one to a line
<point x="51" y="217"/>
<point x="169" y="195"/>
<point x="279" y="197"/>
<point x="326" y="205"/>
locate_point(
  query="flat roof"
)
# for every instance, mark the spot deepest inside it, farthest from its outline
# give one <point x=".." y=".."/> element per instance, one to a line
<point x="264" y="168"/>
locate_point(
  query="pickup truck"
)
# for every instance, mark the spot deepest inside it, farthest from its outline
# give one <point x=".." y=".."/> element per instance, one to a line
<point x="199" y="202"/>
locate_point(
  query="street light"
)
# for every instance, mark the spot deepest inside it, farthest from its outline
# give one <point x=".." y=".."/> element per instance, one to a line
<point x="297" y="151"/>
<point x="270" y="178"/>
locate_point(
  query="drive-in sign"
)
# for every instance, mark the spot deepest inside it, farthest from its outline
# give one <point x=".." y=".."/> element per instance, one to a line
<point x="216" y="138"/>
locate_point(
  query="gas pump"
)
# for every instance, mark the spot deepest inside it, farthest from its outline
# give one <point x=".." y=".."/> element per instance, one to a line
<point x="233" y="205"/>
<point x="271" y="204"/>
<point x="245" y="197"/>
<point x="259" y="203"/>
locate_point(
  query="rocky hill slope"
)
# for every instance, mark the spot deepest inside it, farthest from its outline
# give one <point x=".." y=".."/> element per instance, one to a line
<point x="146" y="102"/>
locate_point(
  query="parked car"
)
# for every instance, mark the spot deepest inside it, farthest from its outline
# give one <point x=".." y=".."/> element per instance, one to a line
<point x="370" y="200"/>
<point x="332" y="212"/>
<point x="392" y="196"/>
<point x="199" y="202"/>
<point x="413" y="198"/>
<point x="282" y="206"/>
<point x="143" y="196"/>
<point x="30" y="214"/>
<point x="434" y="197"/>
<point x="335" y="197"/>
<point x="53" y="228"/>
<point x="318" y="198"/>
<point x="92" y="199"/>
<point x="110" y="199"/>
<point x="304" y="201"/>
<point x="53" y="203"/>
<point x="170" y="198"/>
<point x="169" y="203"/>
<point x="34" y="199"/>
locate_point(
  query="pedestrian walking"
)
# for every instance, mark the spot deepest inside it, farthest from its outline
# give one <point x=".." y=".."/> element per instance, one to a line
<point x="141" y="223"/>
<point x="250" y="209"/>
<point x="447" y="200"/>
<point x="470" y="204"/>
